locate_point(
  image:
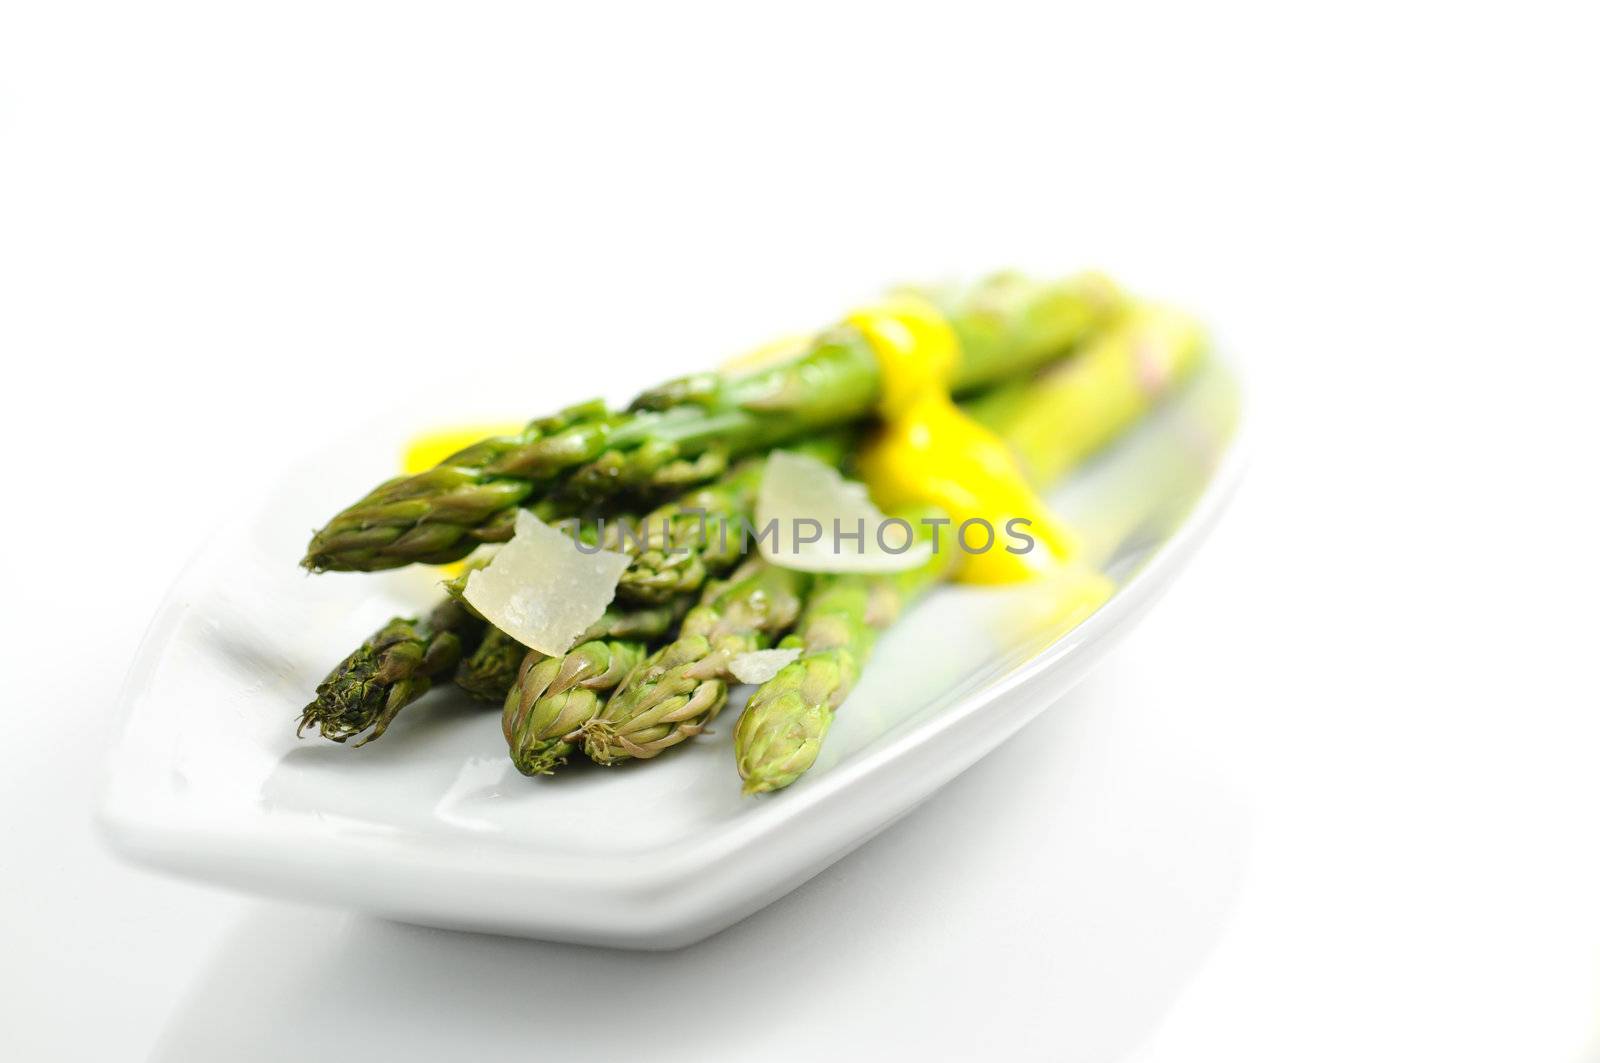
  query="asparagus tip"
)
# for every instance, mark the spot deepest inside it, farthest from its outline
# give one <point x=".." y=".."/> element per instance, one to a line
<point x="602" y="743"/>
<point x="542" y="761"/>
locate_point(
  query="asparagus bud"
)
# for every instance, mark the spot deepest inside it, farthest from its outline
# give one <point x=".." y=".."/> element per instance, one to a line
<point x="389" y="671"/>
<point x="680" y="688"/>
<point x="554" y="697"/>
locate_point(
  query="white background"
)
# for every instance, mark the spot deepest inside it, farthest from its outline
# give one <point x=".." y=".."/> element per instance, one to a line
<point x="1335" y="800"/>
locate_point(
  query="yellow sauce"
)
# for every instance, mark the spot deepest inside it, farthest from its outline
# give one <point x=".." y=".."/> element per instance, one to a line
<point x="1063" y="599"/>
<point x="930" y="452"/>
<point x="428" y="449"/>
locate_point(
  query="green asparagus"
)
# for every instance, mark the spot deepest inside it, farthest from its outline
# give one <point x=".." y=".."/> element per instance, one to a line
<point x="700" y="534"/>
<point x="1052" y="422"/>
<point x="390" y="670"/>
<point x="677" y="546"/>
<point x="688" y="430"/>
<point x="1059" y="416"/>
<point x="492" y="669"/>
<point x="442" y="514"/>
<point x="781" y="729"/>
<point x="488" y="672"/>
<point x="681" y="687"/>
<point x="554" y="697"/>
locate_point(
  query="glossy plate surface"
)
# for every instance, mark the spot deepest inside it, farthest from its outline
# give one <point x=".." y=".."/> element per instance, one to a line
<point x="432" y="825"/>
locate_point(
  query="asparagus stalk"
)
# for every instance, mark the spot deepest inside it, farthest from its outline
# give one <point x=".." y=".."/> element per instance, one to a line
<point x="1067" y="411"/>
<point x="687" y="431"/>
<point x="389" y="671"/>
<point x="680" y="688"/>
<point x="1052" y="422"/>
<point x="783" y="724"/>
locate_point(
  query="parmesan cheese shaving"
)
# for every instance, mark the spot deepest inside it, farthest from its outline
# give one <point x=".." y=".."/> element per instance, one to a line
<point x="758" y="666"/>
<point x="811" y="519"/>
<point x="541" y="589"/>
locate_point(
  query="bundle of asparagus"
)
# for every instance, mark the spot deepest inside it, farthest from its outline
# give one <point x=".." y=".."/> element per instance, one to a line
<point x="1052" y="370"/>
<point x="687" y="430"/>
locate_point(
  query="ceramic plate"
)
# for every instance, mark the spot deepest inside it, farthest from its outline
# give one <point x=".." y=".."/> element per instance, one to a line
<point x="433" y="825"/>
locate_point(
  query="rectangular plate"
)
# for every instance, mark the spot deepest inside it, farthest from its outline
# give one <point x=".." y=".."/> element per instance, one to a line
<point x="433" y="825"/>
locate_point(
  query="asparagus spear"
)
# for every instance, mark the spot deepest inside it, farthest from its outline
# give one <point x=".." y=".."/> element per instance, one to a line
<point x="492" y="669"/>
<point x="442" y="514"/>
<point x="554" y="697"/>
<point x="688" y="430"/>
<point x="674" y="693"/>
<point x="1052" y="422"/>
<point x="781" y="729"/>
<point x="1069" y="410"/>
<point x="390" y="670"/>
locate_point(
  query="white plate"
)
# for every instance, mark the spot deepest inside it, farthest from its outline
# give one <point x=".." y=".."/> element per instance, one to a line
<point x="432" y="825"/>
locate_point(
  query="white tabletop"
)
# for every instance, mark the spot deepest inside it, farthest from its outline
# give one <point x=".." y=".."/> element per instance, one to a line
<point x="1334" y="799"/>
